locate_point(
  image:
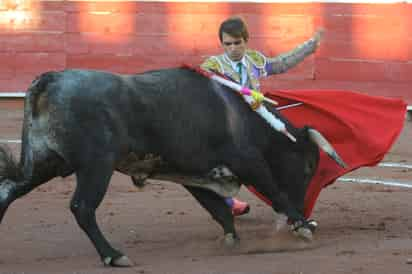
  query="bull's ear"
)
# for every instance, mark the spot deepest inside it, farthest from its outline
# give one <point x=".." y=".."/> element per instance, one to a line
<point x="301" y="133"/>
<point x="306" y="128"/>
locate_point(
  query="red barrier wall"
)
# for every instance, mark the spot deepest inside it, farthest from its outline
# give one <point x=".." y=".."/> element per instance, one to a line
<point x="363" y="42"/>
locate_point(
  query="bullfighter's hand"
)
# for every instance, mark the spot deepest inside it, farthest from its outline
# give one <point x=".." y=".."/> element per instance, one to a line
<point x="318" y="36"/>
<point x="258" y="97"/>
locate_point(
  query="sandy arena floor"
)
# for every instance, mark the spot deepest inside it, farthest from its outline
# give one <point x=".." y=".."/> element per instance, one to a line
<point x="363" y="228"/>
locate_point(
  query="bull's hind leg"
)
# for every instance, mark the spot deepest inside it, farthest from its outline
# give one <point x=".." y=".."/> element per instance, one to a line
<point x="219" y="210"/>
<point x="92" y="183"/>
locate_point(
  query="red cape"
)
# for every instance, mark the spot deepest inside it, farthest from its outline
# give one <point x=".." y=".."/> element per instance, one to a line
<point x="361" y="128"/>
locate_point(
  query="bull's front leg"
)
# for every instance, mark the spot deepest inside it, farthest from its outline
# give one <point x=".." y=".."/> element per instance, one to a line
<point x="281" y="204"/>
<point x="251" y="167"/>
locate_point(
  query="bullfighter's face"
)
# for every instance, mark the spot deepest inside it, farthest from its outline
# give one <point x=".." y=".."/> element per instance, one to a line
<point x="235" y="47"/>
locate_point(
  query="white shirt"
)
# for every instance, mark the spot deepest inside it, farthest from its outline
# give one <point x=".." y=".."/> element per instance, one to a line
<point x="235" y="68"/>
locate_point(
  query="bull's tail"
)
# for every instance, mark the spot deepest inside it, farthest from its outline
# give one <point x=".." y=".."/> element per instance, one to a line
<point x="10" y="176"/>
<point x="37" y="88"/>
<point x="16" y="178"/>
<point x="40" y="82"/>
<point x="9" y="167"/>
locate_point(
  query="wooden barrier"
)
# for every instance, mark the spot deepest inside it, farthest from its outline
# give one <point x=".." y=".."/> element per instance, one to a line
<point x="363" y="42"/>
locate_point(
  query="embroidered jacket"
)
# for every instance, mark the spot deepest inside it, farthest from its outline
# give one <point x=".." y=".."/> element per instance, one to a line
<point x="258" y="65"/>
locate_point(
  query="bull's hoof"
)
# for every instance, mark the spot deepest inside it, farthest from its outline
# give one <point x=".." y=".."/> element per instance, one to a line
<point x="281" y="222"/>
<point x="230" y="240"/>
<point x="304" y="233"/>
<point x="312" y="225"/>
<point x="304" y="229"/>
<point x="139" y="182"/>
<point x="122" y="261"/>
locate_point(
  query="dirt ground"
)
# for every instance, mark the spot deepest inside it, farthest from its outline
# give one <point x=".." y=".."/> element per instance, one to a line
<point x="362" y="228"/>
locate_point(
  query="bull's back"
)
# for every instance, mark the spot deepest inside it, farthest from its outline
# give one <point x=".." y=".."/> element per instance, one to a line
<point x="184" y="117"/>
<point x="169" y="112"/>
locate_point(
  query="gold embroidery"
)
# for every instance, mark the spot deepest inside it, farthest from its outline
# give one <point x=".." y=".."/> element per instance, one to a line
<point x="256" y="58"/>
<point x="211" y="64"/>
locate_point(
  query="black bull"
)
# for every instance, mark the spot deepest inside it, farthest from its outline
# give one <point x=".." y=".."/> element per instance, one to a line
<point x="157" y="123"/>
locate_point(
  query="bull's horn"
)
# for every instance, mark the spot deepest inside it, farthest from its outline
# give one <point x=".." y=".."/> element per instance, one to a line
<point x="318" y="138"/>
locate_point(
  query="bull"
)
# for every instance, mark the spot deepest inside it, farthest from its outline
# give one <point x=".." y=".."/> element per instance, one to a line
<point x="170" y="124"/>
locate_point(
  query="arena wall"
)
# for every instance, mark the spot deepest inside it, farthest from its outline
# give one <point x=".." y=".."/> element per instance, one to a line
<point x="365" y="41"/>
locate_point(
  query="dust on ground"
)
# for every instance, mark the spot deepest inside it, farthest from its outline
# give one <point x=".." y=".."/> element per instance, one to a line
<point x="362" y="228"/>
